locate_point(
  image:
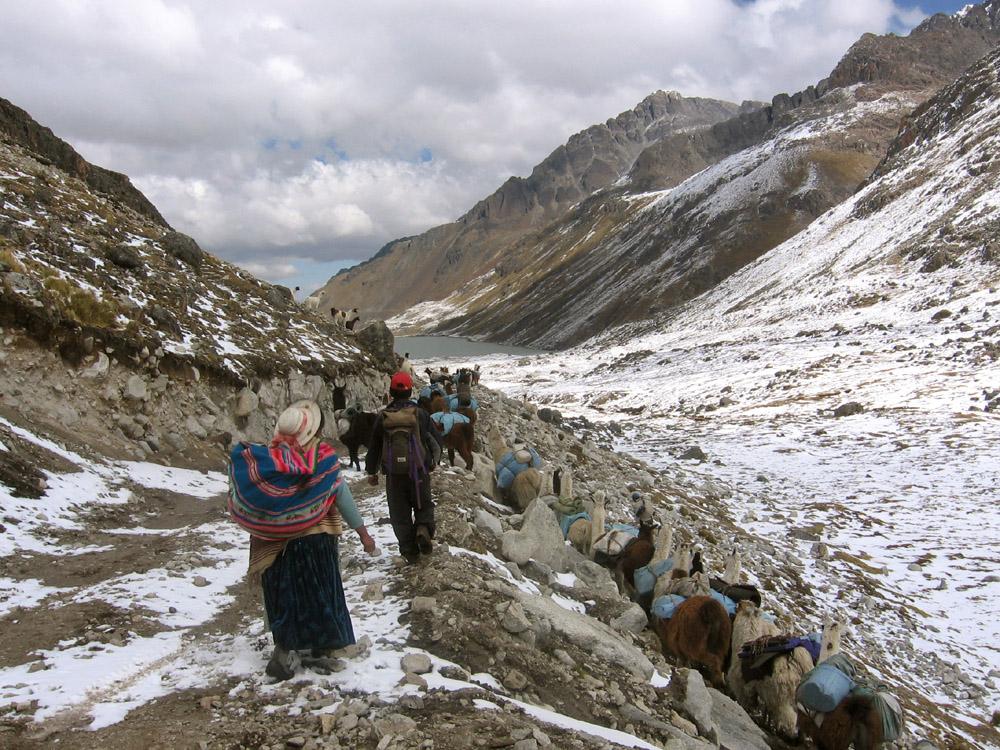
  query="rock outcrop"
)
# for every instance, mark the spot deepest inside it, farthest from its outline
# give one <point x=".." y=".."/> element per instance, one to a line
<point x="17" y="126"/>
<point x="148" y="342"/>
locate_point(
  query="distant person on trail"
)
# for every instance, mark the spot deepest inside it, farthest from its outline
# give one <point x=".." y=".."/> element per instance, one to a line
<point x="406" y="449"/>
<point x="291" y="498"/>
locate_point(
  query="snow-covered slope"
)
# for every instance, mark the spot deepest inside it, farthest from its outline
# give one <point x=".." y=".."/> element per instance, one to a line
<point x="889" y="301"/>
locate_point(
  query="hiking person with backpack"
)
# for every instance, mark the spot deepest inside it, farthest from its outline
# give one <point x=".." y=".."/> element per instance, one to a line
<point x="291" y="498"/>
<point x="406" y="449"/>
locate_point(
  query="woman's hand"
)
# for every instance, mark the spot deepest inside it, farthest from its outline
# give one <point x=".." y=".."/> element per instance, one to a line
<point x="367" y="542"/>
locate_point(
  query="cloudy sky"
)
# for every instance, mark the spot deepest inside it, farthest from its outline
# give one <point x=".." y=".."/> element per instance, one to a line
<point x="296" y="137"/>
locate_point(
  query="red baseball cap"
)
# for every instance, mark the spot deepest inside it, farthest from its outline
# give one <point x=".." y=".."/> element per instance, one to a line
<point x="401" y="381"/>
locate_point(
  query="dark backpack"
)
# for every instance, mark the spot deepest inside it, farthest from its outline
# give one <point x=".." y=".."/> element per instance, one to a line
<point x="402" y="450"/>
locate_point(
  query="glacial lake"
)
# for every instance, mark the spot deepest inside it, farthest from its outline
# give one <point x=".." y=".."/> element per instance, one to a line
<point x="436" y="347"/>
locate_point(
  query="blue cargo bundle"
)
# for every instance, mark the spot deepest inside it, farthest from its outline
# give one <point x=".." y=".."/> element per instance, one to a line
<point x="447" y="420"/>
<point x="566" y="521"/>
<point x="665" y="606"/>
<point x="509" y="467"/>
<point x="827" y="684"/>
<point x="454" y="405"/>
<point x="645" y="577"/>
<point x="725" y="601"/>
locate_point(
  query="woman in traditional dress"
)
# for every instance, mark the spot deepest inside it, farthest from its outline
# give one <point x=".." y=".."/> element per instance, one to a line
<point x="291" y="498"/>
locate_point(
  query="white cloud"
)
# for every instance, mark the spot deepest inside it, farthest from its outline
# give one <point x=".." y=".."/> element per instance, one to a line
<point x="275" y="271"/>
<point x="264" y="129"/>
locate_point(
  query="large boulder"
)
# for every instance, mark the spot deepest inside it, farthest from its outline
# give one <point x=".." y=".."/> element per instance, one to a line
<point x="692" y="693"/>
<point x="164" y="319"/>
<point x="486" y="521"/>
<point x="279" y="296"/>
<point x="848" y="410"/>
<point x="550" y="415"/>
<point x="183" y="248"/>
<point x="246" y="403"/>
<point x="540" y="538"/>
<point x="735" y="727"/>
<point x="378" y="339"/>
<point x="632" y="620"/>
<point x="302" y="386"/>
<point x="595" y="580"/>
<point x="548" y="618"/>
<point x="124" y="256"/>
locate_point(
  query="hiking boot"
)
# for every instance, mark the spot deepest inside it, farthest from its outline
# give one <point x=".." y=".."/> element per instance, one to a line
<point x="282" y="664"/>
<point x="412" y="558"/>
<point x="324" y="664"/>
<point x="424" y="543"/>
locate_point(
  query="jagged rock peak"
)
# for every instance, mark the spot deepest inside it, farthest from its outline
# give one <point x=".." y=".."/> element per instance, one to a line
<point x="930" y="55"/>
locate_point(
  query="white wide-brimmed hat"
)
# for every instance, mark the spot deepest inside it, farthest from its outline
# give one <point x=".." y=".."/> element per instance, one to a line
<point x="301" y="420"/>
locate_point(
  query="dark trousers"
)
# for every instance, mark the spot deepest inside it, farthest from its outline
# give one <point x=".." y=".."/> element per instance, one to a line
<point x="404" y="512"/>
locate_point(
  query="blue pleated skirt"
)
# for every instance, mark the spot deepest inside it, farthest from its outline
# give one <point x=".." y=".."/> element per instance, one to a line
<point x="304" y="596"/>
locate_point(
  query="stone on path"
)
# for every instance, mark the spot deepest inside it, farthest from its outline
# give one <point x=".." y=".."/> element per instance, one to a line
<point x="416" y="663"/>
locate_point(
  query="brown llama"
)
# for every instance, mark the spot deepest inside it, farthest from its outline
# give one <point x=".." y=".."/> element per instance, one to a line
<point x="855" y="721"/>
<point x="698" y="634"/>
<point x="437" y="403"/>
<point x="460" y="438"/>
<point x="526" y="487"/>
<point x="661" y="552"/>
<point x="636" y="555"/>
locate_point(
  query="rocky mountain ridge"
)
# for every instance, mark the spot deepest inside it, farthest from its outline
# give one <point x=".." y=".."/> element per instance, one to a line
<point x="617" y="256"/>
<point x="455" y="253"/>
<point x="18" y="126"/>
<point x="110" y="298"/>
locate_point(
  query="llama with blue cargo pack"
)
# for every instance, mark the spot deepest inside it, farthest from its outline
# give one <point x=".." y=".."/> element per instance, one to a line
<point x="766" y="668"/>
<point x="698" y="632"/>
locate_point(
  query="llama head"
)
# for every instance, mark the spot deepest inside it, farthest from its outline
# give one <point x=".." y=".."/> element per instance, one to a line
<point x="830" y="642"/>
<point x="746" y="609"/>
<point x="733" y="564"/>
<point x="498" y="446"/>
<point x="682" y="557"/>
<point x="343" y="425"/>
<point x="599" y="497"/>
